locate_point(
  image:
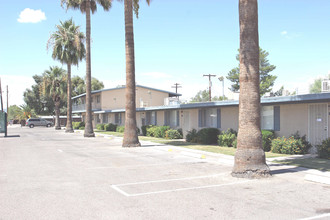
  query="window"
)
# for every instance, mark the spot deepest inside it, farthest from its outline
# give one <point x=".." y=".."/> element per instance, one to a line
<point x="209" y="118"/>
<point x="105" y="118"/>
<point x="151" y="118"/>
<point x="267" y="117"/>
<point x="98" y="99"/>
<point x="118" y="118"/>
<point x="98" y="120"/>
<point x="172" y="118"/>
<point x="270" y="118"/>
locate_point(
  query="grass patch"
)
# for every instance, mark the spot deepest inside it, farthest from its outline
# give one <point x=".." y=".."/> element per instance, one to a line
<point x="181" y="143"/>
<point x="117" y="134"/>
<point x="313" y="163"/>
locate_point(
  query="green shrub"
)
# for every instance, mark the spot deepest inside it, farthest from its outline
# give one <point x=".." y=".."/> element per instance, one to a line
<point x="138" y="130"/>
<point x="151" y="131"/>
<point x="227" y="138"/>
<point x="173" y="134"/>
<point x="110" y="127"/>
<point x="77" y="125"/>
<point x="305" y="143"/>
<point x="100" y="126"/>
<point x="192" y="136"/>
<point x="180" y="131"/>
<point x="235" y="143"/>
<point x="160" y="131"/>
<point x="81" y="128"/>
<point x="324" y="149"/>
<point x="120" y="129"/>
<point x="144" y="129"/>
<point x="285" y="145"/>
<point x="208" y="135"/>
<point x="267" y="137"/>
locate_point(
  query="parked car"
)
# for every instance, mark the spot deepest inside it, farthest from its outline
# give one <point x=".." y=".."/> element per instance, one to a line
<point x="31" y="122"/>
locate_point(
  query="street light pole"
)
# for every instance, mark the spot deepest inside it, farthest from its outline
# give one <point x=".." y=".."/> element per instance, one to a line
<point x="221" y="78"/>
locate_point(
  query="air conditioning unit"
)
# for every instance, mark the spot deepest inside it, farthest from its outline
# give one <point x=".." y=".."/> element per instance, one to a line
<point x="171" y="101"/>
<point x="325" y="86"/>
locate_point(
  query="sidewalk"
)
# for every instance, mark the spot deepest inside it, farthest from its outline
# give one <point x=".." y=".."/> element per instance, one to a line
<point x="312" y="175"/>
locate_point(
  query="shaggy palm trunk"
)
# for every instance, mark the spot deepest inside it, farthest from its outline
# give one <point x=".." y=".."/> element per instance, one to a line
<point x="250" y="157"/>
<point x="88" y="124"/>
<point x="130" y="135"/>
<point x="69" y="103"/>
<point x="57" y="101"/>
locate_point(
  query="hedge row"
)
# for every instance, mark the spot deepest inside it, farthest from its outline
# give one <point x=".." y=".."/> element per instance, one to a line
<point x="293" y="145"/>
<point x="161" y="132"/>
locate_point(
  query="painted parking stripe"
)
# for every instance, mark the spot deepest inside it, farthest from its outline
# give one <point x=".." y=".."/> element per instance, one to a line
<point x="317" y="216"/>
<point x="133" y="166"/>
<point x="175" y="190"/>
<point x="170" y="180"/>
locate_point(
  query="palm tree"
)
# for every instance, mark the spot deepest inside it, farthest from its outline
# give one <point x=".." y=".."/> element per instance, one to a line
<point x="250" y="157"/>
<point x="130" y="135"/>
<point x="88" y="6"/>
<point x="54" y="85"/>
<point x="68" y="47"/>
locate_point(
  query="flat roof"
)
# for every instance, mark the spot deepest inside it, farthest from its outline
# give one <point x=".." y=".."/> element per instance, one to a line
<point x="298" y="99"/>
<point x="171" y="94"/>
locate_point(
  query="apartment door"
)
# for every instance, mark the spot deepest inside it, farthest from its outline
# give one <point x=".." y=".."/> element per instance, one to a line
<point x="318" y="123"/>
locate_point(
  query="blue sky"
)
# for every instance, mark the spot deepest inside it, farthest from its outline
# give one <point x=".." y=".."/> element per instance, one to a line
<point x="175" y="42"/>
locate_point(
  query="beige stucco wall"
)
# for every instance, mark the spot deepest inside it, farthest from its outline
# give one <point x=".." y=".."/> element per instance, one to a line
<point x="293" y="118"/>
<point x="115" y="99"/>
<point x="229" y="118"/>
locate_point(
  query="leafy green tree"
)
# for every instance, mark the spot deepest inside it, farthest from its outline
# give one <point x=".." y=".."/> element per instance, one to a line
<point x="130" y="135"/>
<point x="266" y="79"/>
<point x="14" y="112"/>
<point x="88" y="6"/>
<point x="40" y="104"/>
<point x="68" y="47"/>
<point x="78" y="85"/>
<point x="203" y="96"/>
<point x="316" y="86"/>
<point x="54" y="85"/>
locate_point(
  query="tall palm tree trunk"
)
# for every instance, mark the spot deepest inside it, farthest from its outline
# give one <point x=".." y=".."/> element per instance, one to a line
<point x="88" y="124"/>
<point x="130" y="135"/>
<point x="57" y="101"/>
<point x="69" y="103"/>
<point x="250" y="157"/>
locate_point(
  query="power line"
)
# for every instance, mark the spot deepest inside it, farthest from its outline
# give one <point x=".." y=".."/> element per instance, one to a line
<point x="210" y="84"/>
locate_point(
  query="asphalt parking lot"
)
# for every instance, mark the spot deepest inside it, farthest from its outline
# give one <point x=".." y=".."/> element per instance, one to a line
<point x="48" y="174"/>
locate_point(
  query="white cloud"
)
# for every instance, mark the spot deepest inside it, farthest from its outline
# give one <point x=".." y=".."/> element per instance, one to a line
<point x="284" y="33"/>
<point x="157" y="75"/>
<point x="31" y="16"/>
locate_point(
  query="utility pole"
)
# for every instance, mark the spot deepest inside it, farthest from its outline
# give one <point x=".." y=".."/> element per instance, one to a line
<point x="176" y="86"/>
<point x="7" y="100"/>
<point x="7" y="113"/>
<point x="1" y="97"/>
<point x="210" y="84"/>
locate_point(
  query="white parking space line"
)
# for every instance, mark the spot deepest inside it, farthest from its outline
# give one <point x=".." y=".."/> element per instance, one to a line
<point x="115" y="187"/>
<point x="317" y="216"/>
<point x="134" y="166"/>
<point x="170" y="180"/>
